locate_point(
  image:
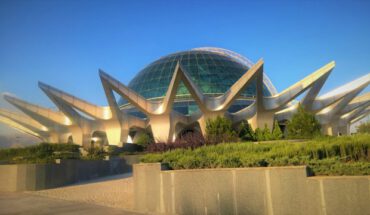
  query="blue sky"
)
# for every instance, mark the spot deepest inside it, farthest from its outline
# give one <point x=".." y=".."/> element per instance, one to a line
<point x="64" y="43"/>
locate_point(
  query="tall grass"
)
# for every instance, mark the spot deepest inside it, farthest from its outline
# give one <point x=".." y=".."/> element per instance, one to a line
<point x="349" y="155"/>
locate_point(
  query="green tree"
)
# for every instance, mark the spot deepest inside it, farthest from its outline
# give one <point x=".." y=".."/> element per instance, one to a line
<point x="266" y="133"/>
<point x="246" y="132"/>
<point x="144" y="140"/>
<point x="220" y="130"/>
<point x="364" y="128"/>
<point x="277" y="134"/>
<point x="259" y="134"/>
<point x="303" y="124"/>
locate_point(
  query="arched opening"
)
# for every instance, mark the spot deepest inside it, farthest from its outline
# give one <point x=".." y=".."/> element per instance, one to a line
<point x="135" y="133"/>
<point x="283" y="127"/>
<point x="99" y="139"/>
<point x="183" y="131"/>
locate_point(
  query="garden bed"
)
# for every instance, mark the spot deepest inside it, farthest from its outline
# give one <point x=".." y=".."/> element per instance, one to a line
<point x="347" y="155"/>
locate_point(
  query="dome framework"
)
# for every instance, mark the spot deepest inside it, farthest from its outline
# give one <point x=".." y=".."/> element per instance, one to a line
<point x="79" y="121"/>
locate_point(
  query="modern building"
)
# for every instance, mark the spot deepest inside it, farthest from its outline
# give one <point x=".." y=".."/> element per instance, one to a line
<point x="179" y="93"/>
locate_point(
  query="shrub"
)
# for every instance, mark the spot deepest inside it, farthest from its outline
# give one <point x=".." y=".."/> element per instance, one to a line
<point x="144" y="140"/>
<point x="346" y="155"/>
<point x="266" y="133"/>
<point x="276" y="131"/>
<point x="364" y="128"/>
<point x="220" y="130"/>
<point x="190" y="140"/>
<point x="263" y="134"/>
<point x="95" y="153"/>
<point x="259" y="134"/>
<point x="41" y="153"/>
<point x="303" y="125"/>
<point x="113" y="150"/>
<point x="246" y="132"/>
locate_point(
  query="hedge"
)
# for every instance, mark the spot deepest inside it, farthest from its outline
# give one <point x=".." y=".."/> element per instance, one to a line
<point x="347" y="155"/>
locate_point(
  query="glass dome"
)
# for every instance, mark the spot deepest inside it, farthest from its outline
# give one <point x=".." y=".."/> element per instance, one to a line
<point x="213" y="70"/>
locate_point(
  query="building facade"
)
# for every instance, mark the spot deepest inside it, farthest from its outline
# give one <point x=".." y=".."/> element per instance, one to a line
<point x="180" y="92"/>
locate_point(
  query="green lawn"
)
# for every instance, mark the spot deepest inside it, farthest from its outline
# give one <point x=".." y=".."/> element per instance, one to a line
<point x="348" y="155"/>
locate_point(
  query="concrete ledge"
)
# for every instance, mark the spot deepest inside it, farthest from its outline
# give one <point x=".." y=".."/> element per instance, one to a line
<point x="22" y="177"/>
<point x="266" y="190"/>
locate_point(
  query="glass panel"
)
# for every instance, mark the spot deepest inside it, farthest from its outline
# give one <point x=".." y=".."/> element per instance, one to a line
<point x="213" y="72"/>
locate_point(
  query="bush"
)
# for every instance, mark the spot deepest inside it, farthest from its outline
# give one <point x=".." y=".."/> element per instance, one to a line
<point x="276" y="131"/>
<point x="220" y="130"/>
<point x="266" y="133"/>
<point x="259" y="134"/>
<point x="41" y="153"/>
<point x="113" y="150"/>
<point x="364" y="128"/>
<point x="246" y="132"/>
<point x="190" y="140"/>
<point x="144" y="140"/>
<point x="95" y="153"/>
<point x="263" y="134"/>
<point x="346" y="155"/>
<point x="303" y="125"/>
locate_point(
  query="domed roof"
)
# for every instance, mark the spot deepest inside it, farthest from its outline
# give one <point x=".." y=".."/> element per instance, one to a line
<point x="213" y="70"/>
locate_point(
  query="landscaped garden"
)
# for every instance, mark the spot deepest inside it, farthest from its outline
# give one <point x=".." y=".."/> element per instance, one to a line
<point x="227" y="146"/>
<point x="347" y="155"/>
<point x="49" y="152"/>
<point x="41" y="153"/>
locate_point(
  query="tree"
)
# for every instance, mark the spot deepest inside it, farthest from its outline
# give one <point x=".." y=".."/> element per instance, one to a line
<point x="259" y="134"/>
<point x="266" y="133"/>
<point x="277" y="134"/>
<point x="246" y="132"/>
<point x="303" y="124"/>
<point x="220" y="130"/>
<point x="364" y="128"/>
<point x="144" y="140"/>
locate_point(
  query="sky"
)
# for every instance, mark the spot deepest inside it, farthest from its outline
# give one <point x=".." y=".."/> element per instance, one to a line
<point x="64" y="43"/>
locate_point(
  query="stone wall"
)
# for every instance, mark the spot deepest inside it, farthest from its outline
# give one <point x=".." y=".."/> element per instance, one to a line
<point x="23" y="177"/>
<point x="271" y="190"/>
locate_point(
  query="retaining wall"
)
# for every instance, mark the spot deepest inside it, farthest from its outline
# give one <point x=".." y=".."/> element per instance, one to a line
<point x="270" y="190"/>
<point x="21" y="177"/>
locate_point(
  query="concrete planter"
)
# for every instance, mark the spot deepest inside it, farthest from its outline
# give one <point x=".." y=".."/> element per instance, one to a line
<point x="270" y="190"/>
<point x="21" y="177"/>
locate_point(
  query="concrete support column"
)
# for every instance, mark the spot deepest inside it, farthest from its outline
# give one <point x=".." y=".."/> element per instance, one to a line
<point x="336" y="128"/>
<point x="260" y="119"/>
<point x="78" y="137"/>
<point x="327" y="129"/>
<point x="116" y="134"/>
<point x="343" y="129"/>
<point x="162" y="128"/>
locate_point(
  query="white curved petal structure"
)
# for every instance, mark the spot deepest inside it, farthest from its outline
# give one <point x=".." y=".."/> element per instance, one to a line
<point x="79" y="119"/>
<point x="43" y="115"/>
<point x="19" y="127"/>
<point x="103" y="113"/>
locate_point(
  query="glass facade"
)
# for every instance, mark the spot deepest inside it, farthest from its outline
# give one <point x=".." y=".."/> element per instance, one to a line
<point x="213" y="72"/>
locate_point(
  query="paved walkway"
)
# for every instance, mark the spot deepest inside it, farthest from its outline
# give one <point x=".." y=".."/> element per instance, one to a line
<point x="26" y="203"/>
<point x="110" y="195"/>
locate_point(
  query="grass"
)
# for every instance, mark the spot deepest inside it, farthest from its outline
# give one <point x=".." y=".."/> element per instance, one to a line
<point x="347" y="155"/>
